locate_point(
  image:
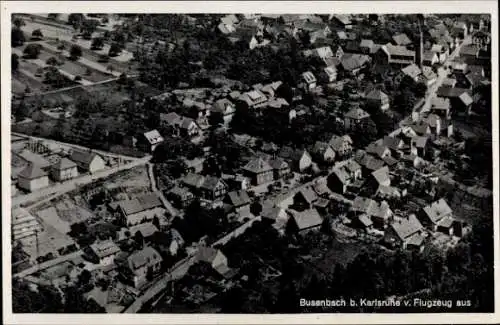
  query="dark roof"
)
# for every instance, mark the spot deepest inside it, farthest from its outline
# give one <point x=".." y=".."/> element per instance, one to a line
<point x="406" y="227"/>
<point x="308" y="194"/>
<point x="353" y="61"/>
<point x="82" y="157"/>
<point x="376" y="94"/>
<point x="437" y="210"/>
<point x="211" y="183"/>
<point x="451" y="92"/>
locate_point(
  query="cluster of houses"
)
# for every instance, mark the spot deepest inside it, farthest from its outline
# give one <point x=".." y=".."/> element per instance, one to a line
<point x="33" y="169"/>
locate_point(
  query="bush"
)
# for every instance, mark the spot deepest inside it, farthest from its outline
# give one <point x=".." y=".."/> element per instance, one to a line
<point x="32" y="51"/>
<point x="37" y="34"/>
<point x="75" y="52"/>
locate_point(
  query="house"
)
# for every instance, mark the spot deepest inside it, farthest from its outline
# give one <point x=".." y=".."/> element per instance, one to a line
<point x="459" y="67"/>
<point x="460" y="99"/>
<point x="460" y="29"/>
<point x="225" y="107"/>
<point x="353" y="169"/>
<point x="215" y="258"/>
<point x="381" y="176"/>
<point x="280" y="167"/>
<point x="304" y="221"/>
<point x="149" y="140"/>
<point x="271" y="88"/>
<point x="378" y="149"/>
<point x="378" y="99"/>
<point x="304" y="198"/>
<point x="338" y="180"/>
<point x="180" y="196"/>
<point x="276" y="216"/>
<point x="431" y="215"/>
<point x="430" y="58"/>
<point x="438" y="125"/>
<point x="441" y="107"/>
<point x="394" y="143"/>
<point x="371" y="213"/>
<point x="300" y="160"/>
<point x="30" y="157"/>
<point x="412" y="71"/>
<point x="181" y="126"/>
<point x="368" y="163"/>
<point x="428" y="77"/>
<point x="354" y="118"/>
<point x="343" y="21"/>
<point x="102" y="252"/>
<point x="367" y="46"/>
<point x="147" y="230"/>
<point x="253" y="98"/>
<point x="351" y="64"/>
<point x="87" y="160"/>
<point x="328" y="74"/>
<point x="401" y="40"/>
<point x="32" y="178"/>
<point x="213" y="188"/>
<point x="324" y="52"/>
<point x="419" y="146"/>
<point x="322" y="152"/>
<point x="405" y="232"/>
<point x="342" y="145"/>
<point x="239" y="200"/>
<point x="174" y="241"/>
<point x="309" y="80"/>
<point x="141" y="266"/>
<point x="469" y="51"/>
<point x="442" y="51"/>
<point x="138" y="210"/>
<point x="63" y="170"/>
<point x="481" y="38"/>
<point x="395" y="54"/>
<point x="259" y="171"/>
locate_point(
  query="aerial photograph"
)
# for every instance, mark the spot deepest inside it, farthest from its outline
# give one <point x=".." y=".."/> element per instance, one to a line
<point x="251" y="163"/>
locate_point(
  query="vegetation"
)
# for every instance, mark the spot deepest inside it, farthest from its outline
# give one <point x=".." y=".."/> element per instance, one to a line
<point x="32" y="51"/>
<point x="75" y="52"/>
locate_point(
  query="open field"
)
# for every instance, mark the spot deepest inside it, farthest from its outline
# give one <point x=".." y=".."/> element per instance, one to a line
<point x="20" y="81"/>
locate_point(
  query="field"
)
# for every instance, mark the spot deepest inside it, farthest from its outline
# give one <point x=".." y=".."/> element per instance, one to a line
<point x="20" y="81"/>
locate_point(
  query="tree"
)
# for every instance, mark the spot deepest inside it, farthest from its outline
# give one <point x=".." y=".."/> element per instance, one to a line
<point x="103" y="58"/>
<point x="18" y="22"/>
<point x="76" y="20"/>
<point x="37" y="34"/>
<point x="215" y="119"/>
<point x="14" y="62"/>
<point x="139" y="239"/>
<point x="97" y="43"/>
<point x="53" y="16"/>
<point x="156" y="222"/>
<point x="17" y="37"/>
<point x="122" y="79"/>
<point x="32" y="51"/>
<point x="75" y="52"/>
<point x="114" y="49"/>
<point x="52" y="61"/>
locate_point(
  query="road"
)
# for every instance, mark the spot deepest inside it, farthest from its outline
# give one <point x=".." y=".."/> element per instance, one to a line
<point x="173" y="211"/>
<point x="75" y="146"/>
<point x="48" y="264"/>
<point x="72" y="184"/>
<point x="442" y="74"/>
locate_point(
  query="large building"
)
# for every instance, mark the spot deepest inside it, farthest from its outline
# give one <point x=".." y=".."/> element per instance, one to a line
<point x="32" y="178"/>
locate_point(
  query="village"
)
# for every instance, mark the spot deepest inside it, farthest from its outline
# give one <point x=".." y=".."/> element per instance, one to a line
<point x="131" y="196"/>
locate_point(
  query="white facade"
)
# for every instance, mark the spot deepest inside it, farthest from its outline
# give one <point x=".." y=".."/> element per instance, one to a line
<point x="64" y="174"/>
<point x="33" y="184"/>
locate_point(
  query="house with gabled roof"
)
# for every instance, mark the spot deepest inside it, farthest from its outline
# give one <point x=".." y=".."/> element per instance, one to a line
<point x="441" y="50"/>
<point x="87" y="160"/>
<point x="343" y="21"/>
<point x="430" y="58"/>
<point x="342" y="145"/>
<point x="395" y="54"/>
<point x="355" y="117"/>
<point x="239" y="200"/>
<point x="304" y="198"/>
<point x="216" y="259"/>
<point x="225" y="107"/>
<point x="370" y="213"/>
<point x="428" y="76"/>
<point x="182" y="126"/>
<point x="309" y="80"/>
<point x="405" y="232"/>
<point x="259" y="171"/>
<point x="280" y="167"/>
<point x="352" y="63"/>
<point x="299" y="159"/>
<point x="63" y="170"/>
<point x="323" y="152"/>
<point x="441" y="107"/>
<point x="412" y="71"/>
<point x="304" y="221"/>
<point x="381" y="176"/>
<point x="378" y="150"/>
<point x="141" y="266"/>
<point x="253" y="98"/>
<point x="378" y="99"/>
<point x="432" y="215"/>
<point x="32" y="178"/>
<point x="103" y="252"/>
<point x="150" y="140"/>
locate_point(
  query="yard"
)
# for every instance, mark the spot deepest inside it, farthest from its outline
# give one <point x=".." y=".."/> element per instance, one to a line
<point x="135" y="177"/>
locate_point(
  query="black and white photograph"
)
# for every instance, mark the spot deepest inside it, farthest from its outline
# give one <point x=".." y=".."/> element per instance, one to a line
<point x="225" y="162"/>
